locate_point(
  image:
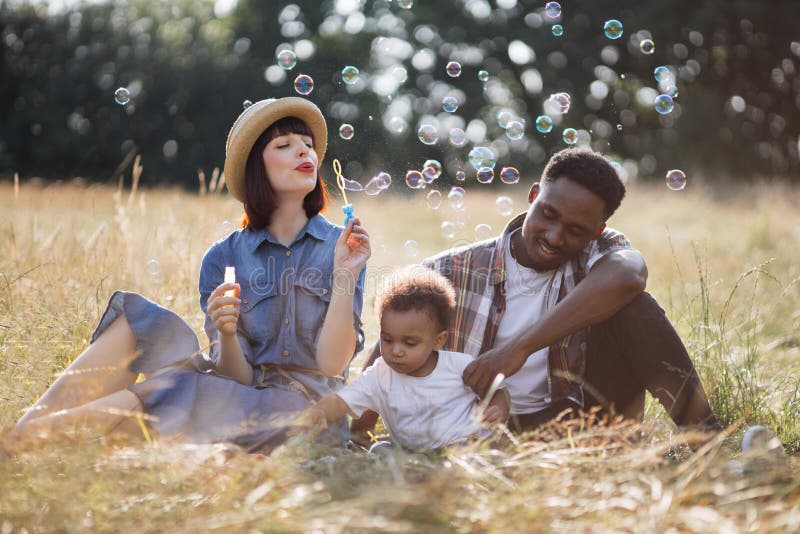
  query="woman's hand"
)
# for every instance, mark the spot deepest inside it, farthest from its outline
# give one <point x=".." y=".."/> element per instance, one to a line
<point x="352" y="250"/>
<point x="224" y="311"/>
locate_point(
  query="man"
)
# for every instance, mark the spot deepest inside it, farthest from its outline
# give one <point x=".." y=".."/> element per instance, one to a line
<point x="556" y="303"/>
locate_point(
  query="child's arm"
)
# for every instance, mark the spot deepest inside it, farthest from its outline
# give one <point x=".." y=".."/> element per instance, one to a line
<point x="326" y="410"/>
<point x="498" y="409"/>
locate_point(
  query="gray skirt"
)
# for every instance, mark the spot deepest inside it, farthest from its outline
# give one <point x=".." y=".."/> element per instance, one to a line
<point x="184" y="398"/>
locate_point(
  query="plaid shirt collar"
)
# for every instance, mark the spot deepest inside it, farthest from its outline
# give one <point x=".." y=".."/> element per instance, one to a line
<point x="497" y="273"/>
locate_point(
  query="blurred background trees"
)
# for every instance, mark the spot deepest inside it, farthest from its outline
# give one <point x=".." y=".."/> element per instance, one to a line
<point x="190" y="65"/>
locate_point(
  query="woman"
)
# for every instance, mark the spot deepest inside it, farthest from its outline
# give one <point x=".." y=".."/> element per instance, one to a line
<point x="281" y="337"/>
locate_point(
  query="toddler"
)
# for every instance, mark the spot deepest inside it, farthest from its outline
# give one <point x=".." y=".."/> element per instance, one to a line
<point x="415" y="386"/>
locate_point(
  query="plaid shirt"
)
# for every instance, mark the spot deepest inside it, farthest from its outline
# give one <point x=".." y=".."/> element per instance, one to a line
<point x="478" y="273"/>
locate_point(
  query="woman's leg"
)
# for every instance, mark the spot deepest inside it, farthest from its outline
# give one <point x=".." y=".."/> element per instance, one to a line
<point x="102" y="369"/>
<point x="119" y="413"/>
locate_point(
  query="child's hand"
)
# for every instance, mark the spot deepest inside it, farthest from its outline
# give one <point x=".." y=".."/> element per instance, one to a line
<point x="494" y="415"/>
<point x="499" y="407"/>
<point x="313" y="417"/>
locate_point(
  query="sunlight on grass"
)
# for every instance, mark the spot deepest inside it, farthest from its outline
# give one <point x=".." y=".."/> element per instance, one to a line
<point x="725" y="268"/>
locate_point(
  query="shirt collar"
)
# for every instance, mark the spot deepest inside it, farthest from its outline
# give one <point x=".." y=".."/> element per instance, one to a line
<point x="316" y="227"/>
<point x="498" y="270"/>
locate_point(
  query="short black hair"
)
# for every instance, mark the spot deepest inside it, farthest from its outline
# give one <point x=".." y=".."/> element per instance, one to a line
<point x="418" y="289"/>
<point x="589" y="169"/>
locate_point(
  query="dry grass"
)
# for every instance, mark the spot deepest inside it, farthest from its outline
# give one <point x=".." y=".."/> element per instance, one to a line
<point x="63" y="249"/>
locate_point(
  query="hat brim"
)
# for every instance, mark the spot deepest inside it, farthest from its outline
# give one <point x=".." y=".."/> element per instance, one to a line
<point x="252" y="122"/>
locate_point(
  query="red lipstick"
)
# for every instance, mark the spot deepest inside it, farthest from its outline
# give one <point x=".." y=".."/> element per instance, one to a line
<point x="306" y="167"/>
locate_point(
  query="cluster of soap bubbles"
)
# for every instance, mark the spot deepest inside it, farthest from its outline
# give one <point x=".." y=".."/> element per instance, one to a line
<point x="483" y="159"/>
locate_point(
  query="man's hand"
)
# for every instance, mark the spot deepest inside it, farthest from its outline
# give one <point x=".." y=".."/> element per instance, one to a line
<point x="479" y="374"/>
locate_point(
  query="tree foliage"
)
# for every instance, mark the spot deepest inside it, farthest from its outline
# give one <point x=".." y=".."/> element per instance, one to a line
<point x="189" y="71"/>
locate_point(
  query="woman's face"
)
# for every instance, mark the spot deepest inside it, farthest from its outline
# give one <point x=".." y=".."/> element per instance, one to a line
<point x="291" y="164"/>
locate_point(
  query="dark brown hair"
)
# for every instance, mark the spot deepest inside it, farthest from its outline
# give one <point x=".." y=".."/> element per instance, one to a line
<point x="260" y="199"/>
<point x="589" y="169"/>
<point x="419" y="289"/>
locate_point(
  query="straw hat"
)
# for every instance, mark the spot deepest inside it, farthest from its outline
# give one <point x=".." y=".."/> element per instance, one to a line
<point x="254" y="120"/>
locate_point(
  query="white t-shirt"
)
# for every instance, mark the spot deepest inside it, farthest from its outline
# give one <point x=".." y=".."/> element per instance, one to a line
<point x="525" y="290"/>
<point x="421" y="412"/>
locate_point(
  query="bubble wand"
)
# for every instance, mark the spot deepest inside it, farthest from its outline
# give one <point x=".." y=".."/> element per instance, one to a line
<point x="347" y="208"/>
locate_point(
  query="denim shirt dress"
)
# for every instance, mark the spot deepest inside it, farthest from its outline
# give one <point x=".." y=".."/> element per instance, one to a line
<point x="285" y="293"/>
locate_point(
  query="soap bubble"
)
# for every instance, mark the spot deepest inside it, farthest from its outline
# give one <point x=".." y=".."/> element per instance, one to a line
<point x="454" y="69"/>
<point x="562" y="102"/>
<point x="350" y="74"/>
<point x="346" y="131"/>
<point x="450" y="104"/>
<point x="431" y="170"/>
<point x="405" y="4"/>
<point x="458" y="137"/>
<point x="153" y="267"/>
<point x="414" y="180"/>
<point x="647" y="46"/>
<point x="482" y="156"/>
<point x="552" y="10"/>
<point x="557" y="29"/>
<point x="483" y="75"/>
<point x="570" y="136"/>
<point x="412" y="248"/>
<point x="483" y="231"/>
<point x="461" y="176"/>
<point x="456" y="198"/>
<point x="304" y="84"/>
<point x="397" y="125"/>
<point x="504" y="205"/>
<point x="485" y="175"/>
<point x="448" y="230"/>
<point x="509" y="175"/>
<point x="122" y="96"/>
<point x="613" y="29"/>
<point x="664" y="104"/>
<point x="504" y="116"/>
<point x="287" y="59"/>
<point x="515" y="130"/>
<point x="351" y="185"/>
<point x="672" y="91"/>
<point x="544" y="124"/>
<point x="676" y="179"/>
<point x="379" y="182"/>
<point x="662" y="74"/>
<point x="427" y="134"/>
<point x="433" y="199"/>
<point x="246" y="104"/>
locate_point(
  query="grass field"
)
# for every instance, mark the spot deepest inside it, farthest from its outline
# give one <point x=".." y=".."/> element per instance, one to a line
<point x="725" y="265"/>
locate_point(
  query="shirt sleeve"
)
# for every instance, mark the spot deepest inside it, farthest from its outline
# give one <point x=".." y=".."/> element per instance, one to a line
<point x="609" y="241"/>
<point x="362" y="394"/>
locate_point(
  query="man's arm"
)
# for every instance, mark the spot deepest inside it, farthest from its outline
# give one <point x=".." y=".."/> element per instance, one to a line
<point x="614" y="281"/>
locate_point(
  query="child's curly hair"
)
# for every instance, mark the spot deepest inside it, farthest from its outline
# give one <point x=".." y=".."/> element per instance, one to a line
<point x="418" y="288"/>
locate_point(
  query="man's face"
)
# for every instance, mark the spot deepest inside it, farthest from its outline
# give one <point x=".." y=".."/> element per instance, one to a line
<point x="563" y="217"/>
